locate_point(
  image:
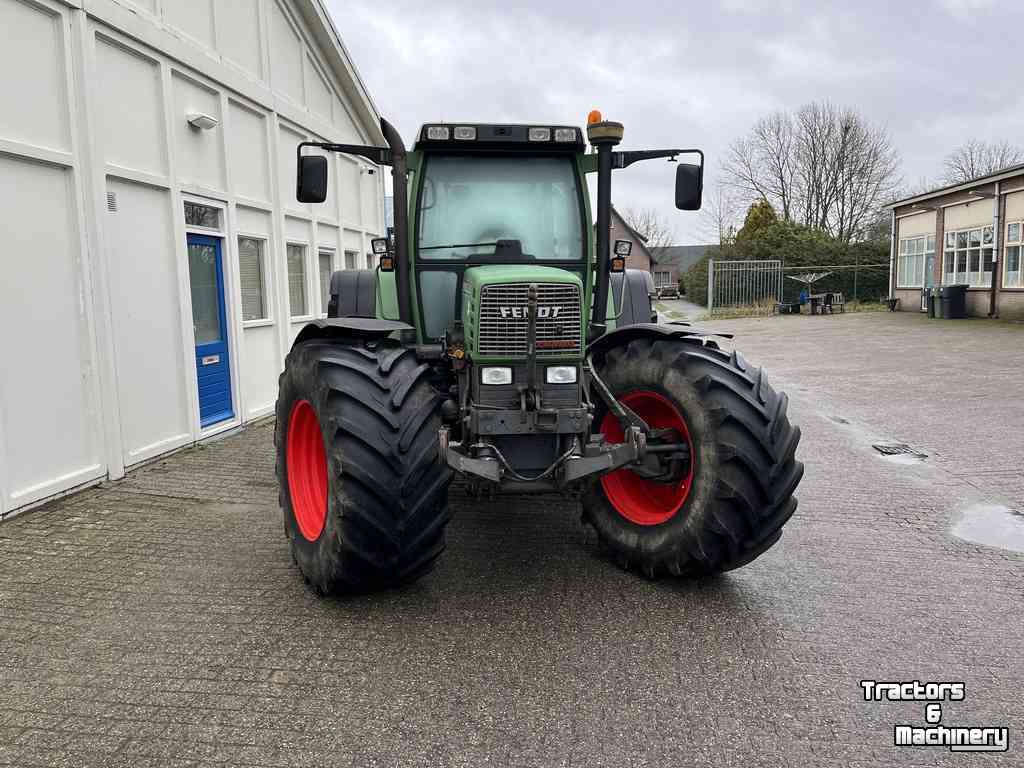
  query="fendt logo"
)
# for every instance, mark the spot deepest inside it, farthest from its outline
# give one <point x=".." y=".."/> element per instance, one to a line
<point x="521" y="312"/>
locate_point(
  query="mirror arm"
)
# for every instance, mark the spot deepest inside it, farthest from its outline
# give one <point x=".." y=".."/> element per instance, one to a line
<point x="378" y="155"/>
<point x="625" y="159"/>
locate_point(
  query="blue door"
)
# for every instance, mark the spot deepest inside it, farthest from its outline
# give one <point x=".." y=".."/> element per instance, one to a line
<point x="209" y="324"/>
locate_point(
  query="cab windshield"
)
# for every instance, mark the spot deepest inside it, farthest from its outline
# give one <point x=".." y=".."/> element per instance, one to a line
<point x="468" y="203"/>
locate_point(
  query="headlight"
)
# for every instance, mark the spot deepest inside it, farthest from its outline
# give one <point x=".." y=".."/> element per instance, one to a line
<point x="495" y="375"/>
<point x="561" y="374"/>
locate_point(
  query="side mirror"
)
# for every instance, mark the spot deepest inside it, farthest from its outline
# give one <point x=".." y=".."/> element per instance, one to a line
<point x="311" y="184"/>
<point x="689" y="186"/>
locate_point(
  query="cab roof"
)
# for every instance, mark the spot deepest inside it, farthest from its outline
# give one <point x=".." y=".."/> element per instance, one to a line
<point x="534" y="137"/>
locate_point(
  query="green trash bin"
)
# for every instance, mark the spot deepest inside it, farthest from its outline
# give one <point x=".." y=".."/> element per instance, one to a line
<point x="952" y="302"/>
<point x="938" y="307"/>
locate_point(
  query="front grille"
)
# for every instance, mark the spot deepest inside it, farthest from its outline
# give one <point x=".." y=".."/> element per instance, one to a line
<point x="503" y="333"/>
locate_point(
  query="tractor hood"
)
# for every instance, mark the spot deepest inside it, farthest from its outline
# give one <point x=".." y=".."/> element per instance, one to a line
<point x="496" y="311"/>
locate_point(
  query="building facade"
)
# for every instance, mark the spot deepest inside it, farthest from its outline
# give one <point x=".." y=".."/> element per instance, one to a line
<point x="157" y="265"/>
<point x="670" y="263"/>
<point x="970" y="234"/>
<point x="639" y="256"/>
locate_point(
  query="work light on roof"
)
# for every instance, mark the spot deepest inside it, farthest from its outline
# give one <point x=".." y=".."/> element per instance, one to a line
<point x="465" y="132"/>
<point x="438" y="132"/>
<point x="540" y="134"/>
<point x="565" y="134"/>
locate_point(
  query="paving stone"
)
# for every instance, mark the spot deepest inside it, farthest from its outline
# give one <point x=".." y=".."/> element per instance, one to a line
<point x="159" y="620"/>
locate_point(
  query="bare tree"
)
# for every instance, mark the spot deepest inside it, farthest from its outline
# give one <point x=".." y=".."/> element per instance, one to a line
<point x="980" y="158"/>
<point x="822" y="166"/>
<point x="762" y="163"/>
<point x="651" y="224"/>
<point x="722" y="213"/>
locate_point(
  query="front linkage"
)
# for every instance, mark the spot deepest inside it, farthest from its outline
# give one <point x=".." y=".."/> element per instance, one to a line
<point x="656" y="454"/>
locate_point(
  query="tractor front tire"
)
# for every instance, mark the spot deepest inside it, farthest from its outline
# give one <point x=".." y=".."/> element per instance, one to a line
<point x="730" y="505"/>
<point x="364" y="496"/>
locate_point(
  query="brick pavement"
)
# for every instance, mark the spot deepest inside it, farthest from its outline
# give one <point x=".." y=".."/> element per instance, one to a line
<point x="158" y="621"/>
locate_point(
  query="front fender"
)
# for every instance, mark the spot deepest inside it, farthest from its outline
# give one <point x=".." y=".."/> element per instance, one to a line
<point x="350" y="327"/>
<point x="627" y="333"/>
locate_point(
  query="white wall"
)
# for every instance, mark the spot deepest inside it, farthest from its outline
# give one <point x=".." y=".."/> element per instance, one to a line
<point x="48" y="401"/>
<point x="98" y="348"/>
<point x="918" y="224"/>
<point x="977" y="213"/>
<point x="153" y="384"/>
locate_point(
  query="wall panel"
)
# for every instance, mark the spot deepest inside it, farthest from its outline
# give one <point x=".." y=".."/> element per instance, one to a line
<point x="1015" y="206"/>
<point x="33" y="86"/>
<point x="124" y="77"/>
<point x="199" y="153"/>
<point x="49" y="398"/>
<point x="286" y="55"/>
<point x="261" y="366"/>
<point x="318" y="91"/>
<point x="248" y="153"/>
<point x="238" y="34"/>
<point x="973" y="214"/>
<point x="287" y="141"/>
<point x="146" y="312"/>
<point x="193" y="17"/>
<point x="918" y="224"/>
<point x="348" y="176"/>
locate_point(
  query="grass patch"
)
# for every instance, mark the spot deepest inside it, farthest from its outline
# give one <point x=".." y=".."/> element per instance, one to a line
<point x="767" y="309"/>
<point x="764" y="308"/>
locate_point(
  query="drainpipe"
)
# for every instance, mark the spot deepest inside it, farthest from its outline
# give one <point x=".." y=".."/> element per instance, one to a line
<point x="993" y="304"/>
<point x="892" y="255"/>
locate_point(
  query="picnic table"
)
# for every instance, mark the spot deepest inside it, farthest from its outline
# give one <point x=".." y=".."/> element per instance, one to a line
<point x="822" y="301"/>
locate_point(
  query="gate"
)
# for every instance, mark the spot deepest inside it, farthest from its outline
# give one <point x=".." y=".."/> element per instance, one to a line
<point x="734" y="283"/>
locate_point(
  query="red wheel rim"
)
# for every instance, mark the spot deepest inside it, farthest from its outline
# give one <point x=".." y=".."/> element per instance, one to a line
<point x="642" y="501"/>
<point x="306" y="462"/>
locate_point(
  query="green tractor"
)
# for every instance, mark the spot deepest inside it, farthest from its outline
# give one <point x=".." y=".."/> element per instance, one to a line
<point x="501" y="338"/>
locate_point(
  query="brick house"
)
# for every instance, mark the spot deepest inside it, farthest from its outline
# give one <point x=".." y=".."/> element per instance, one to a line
<point x="640" y="256"/>
<point x="970" y="233"/>
<point x="669" y="264"/>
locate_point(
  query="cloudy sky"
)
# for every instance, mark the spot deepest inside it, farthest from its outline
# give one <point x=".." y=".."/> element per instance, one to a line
<point x="686" y="73"/>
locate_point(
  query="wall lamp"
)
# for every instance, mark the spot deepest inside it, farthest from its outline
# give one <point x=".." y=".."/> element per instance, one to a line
<point x="202" y="121"/>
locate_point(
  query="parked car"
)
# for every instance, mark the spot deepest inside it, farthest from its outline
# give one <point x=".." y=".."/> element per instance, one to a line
<point x="670" y="291"/>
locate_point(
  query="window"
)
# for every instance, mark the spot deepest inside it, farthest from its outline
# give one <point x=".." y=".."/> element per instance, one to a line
<point x="326" y="259"/>
<point x="661" y="279"/>
<point x="1012" y="274"/>
<point x="205" y="216"/>
<point x="350" y="259"/>
<point x="371" y="261"/>
<point x="250" y="274"/>
<point x="297" y="279"/>
<point x="913" y="258"/>
<point x="968" y="257"/>
<point x="468" y="204"/>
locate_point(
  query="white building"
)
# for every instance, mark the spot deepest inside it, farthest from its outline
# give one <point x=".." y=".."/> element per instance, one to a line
<point x="156" y="265"/>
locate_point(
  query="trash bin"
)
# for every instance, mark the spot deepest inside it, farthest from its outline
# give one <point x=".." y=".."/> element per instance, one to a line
<point x="928" y="301"/>
<point x="953" y="302"/>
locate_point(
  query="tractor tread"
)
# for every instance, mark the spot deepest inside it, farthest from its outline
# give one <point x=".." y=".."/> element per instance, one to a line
<point x="750" y="489"/>
<point x="387" y="491"/>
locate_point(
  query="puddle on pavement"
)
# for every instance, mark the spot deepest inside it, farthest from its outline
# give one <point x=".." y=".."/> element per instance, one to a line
<point x="904" y="458"/>
<point x="991" y="525"/>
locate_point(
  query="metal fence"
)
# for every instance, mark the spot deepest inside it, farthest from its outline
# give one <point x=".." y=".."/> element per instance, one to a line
<point x="733" y="283"/>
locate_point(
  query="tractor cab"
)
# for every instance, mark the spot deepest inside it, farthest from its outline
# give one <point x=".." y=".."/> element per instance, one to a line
<point x="488" y="197"/>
